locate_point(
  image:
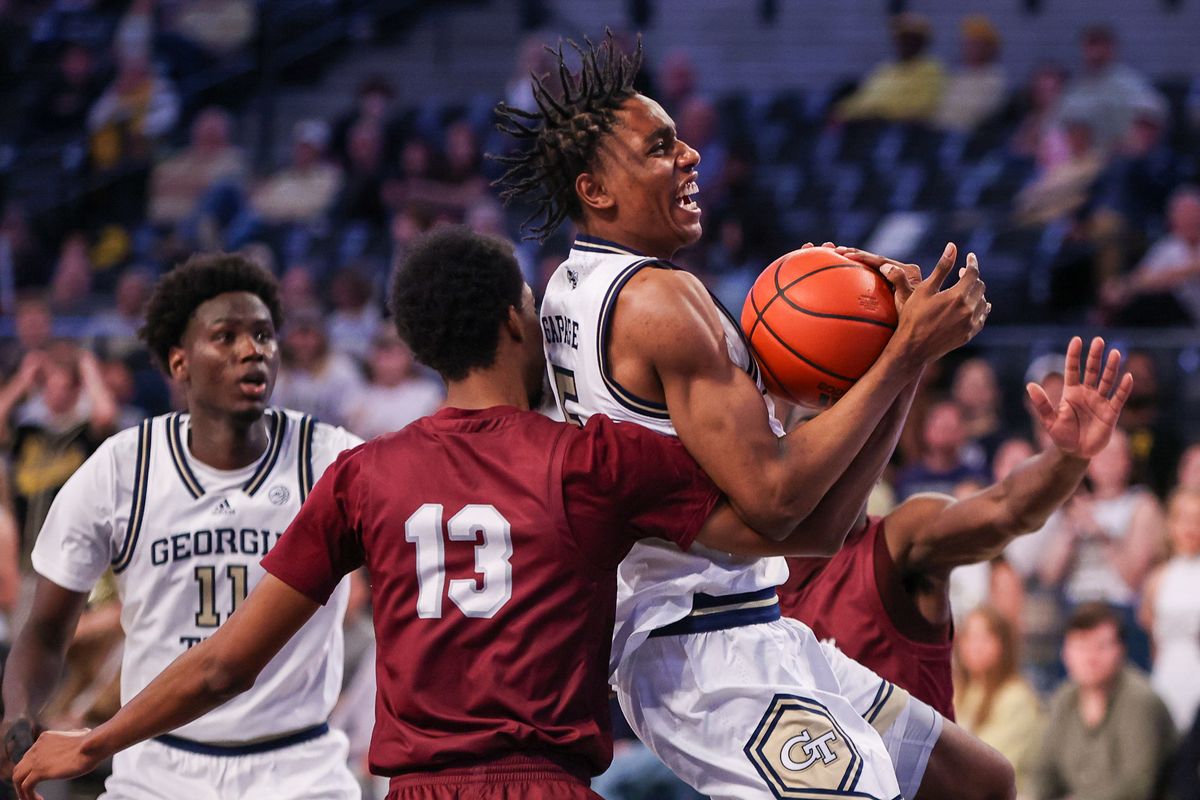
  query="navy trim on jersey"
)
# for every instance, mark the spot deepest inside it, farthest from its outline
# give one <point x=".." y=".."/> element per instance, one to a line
<point x="886" y="688"/>
<point x="638" y="405"/>
<point x="594" y="244"/>
<point x="137" y="507"/>
<point x="299" y="737"/>
<point x="304" y="459"/>
<point x="752" y="368"/>
<point x="176" y="445"/>
<point x="719" y="612"/>
<point x="272" y="455"/>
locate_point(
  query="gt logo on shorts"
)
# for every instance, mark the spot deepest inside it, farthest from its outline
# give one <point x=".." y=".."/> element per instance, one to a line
<point x="801" y="752"/>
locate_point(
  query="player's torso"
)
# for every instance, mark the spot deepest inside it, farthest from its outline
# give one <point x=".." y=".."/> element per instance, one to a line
<point x="493" y="624"/>
<point x="842" y="600"/>
<point x="657" y="579"/>
<point x="188" y="557"/>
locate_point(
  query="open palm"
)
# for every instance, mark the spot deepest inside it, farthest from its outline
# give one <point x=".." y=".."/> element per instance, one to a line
<point x="1086" y="415"/>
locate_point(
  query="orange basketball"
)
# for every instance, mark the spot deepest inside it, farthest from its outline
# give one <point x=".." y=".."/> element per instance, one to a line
<point x="816" y="322"/>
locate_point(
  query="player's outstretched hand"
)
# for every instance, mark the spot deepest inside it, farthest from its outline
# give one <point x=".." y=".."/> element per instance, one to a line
<point x="1083" y="422"/>
<point x="55" y="754"/>
<point x="932" y="321"/>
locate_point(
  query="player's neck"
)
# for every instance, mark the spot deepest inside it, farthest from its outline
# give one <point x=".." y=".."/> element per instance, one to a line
<point x="485" y="388"/>
<point x="602" y="229"/>
<point x="223" y="442"/>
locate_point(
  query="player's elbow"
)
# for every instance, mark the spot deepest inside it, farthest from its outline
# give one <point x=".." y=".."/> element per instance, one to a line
<point x="778" y="509"/>
<point x="225" y="679"/>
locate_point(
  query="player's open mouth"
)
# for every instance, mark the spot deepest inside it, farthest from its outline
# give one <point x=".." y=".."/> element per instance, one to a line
<point x="686" y="198"/>
<point x="254" y="385"/>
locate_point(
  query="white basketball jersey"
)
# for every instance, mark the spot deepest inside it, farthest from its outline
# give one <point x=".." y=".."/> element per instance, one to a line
<point x="656" y="581"/>
<point x="184" y="543"/>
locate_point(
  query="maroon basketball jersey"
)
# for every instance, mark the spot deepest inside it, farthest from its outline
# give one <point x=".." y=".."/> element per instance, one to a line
<point x="857" y="599"/>
<point x="492" y="539"/>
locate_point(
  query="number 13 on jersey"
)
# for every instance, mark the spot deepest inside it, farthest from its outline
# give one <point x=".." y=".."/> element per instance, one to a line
<point x="481" y="524"/>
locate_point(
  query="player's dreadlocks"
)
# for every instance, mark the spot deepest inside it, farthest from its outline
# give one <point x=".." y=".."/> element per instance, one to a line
<point x="202" y="277"/>
<point x="573" y="116"/>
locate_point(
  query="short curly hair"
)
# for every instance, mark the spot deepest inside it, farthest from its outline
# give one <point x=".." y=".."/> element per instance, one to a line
<point x="450" y="295"/>
<point x="202" y="277"/>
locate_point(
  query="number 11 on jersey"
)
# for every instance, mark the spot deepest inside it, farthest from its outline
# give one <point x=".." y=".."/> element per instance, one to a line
<point x="480" y="598"/>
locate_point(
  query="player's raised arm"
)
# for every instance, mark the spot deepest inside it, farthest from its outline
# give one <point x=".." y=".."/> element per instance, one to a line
<point x="666" y="319"/>
<point x="936" y="533"/>
<point x="209" y="674"/>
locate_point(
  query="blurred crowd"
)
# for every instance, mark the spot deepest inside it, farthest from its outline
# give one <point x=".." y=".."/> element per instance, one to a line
<point x="1080" y="177"/>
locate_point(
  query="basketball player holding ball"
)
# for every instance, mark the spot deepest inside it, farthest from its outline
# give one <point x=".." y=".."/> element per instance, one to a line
<point x="738" y="702"/>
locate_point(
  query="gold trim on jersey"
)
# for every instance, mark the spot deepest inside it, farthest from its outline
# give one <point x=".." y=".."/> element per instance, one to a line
<point x="137" y="508"/>
<point x="304" y="457"/>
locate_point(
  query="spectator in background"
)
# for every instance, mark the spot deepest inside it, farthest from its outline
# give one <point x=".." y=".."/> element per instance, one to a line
<point x="698" y="126"/>
<point x="1062" y="188"/>
<point x="360" y="201"/>
<point x="374" y="104"/>
<point x="1107" y="541"/>
<point x="532" y="59"/>
<point x="1153" y="439"/>
<point x="1187" y="474"/>
<point x="980" y="89"/>
<point x="991" y="699"/>
<point x="297" y="290"/>
<point x="676" y="79"/>
<point x="1171" y="612"/>
<point x="33" y="324"/>
<point x="941" y="467"/>
<point x="1105" y="94"/>
<point x="908" y="89"/>
<point x="1165" y="287"/>
<point x="397" y="391"/>
<point x="1108" y="735"/>
<point x="314" y="378"/>
<point x="1039" y="134"/>
<point x="10" y="562"/>
<point x="115" y="328"/>
<point x="178" y="183"/>
<point x="462" y="167"/>
<point x="60" y="103"/>
<point x="218" y="27"/>
<point x="71" y="286"/>
<point x="977" y="393"/>
<point x="67" y="412"/>
<point x="137" y="109"/>
<point x="355" y="318"/>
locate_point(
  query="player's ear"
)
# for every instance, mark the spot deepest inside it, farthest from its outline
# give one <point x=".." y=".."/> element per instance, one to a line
<point x="515" y="325"/>
<point x="591" y="192"/>
<point x="177" y="364"/>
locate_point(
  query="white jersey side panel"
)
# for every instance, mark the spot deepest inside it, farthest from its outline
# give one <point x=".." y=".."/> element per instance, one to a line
<point x="184" y="542"/>
<point x="656" y="580"/>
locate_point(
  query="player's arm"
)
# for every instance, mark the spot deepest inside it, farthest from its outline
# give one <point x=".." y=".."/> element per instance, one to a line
<point x="209" y="674"/>
<point x="666" y="319"/>
<point x="33" y="667"/>
<point x="934" y="533"/>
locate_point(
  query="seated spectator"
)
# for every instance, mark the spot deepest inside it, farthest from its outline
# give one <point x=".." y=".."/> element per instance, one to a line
<point x="218" y="27"/>
<point x="355" y="318"/>
<point x="676" y="78"/>
<point x="941" y="467"/>
<point x="977" y="393"/>
<point x="53" y="414"/>
<point x="60" y="103"/>
<point x="397" y="391"/>
<point x="1105" y="94"/>
<point x="1107" y="541"/>
<point x="116" y="328"/>
<point x="314" y="378"/>
<point x="374" y="103"/>
<point x="178" y="183"/>
<point x="1171" y="612"/>
<point x="361" y="197"/>
<point x="1039" y="134"/>
<point x="1107" y="734"/>
<point x="991" y="699"/>
<point x="1165" y="287"/>
<point x="908" y="89"/>
<point x="303" y="191"/>
<point x="1061" y="189"/>
<point x="979" y="90"/>
<point x="1151" y="426"/>
<point x="137" y="109"/>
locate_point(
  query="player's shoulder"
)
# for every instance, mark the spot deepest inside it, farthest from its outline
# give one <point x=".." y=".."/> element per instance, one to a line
<point x="916" y="511"/>
<point x="321" y="437"/>
<point x="133" y="442"/>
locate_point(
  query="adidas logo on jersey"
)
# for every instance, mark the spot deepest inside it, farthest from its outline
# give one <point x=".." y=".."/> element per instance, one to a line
<point x="223" y="508"/>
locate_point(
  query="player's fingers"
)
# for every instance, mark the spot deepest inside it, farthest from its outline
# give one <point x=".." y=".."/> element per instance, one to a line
<point x="1091" y="367"/>
<point x="830" y="245"/>
<point x="942" y="269"/>
<point x="806" y="245"/>
<point x="1071" y="364"/>
<point x="1124" y="389"/>
<point x="1108" y="377"/>
<point x="1041" y="404"/>
<point x="899" y="281"/>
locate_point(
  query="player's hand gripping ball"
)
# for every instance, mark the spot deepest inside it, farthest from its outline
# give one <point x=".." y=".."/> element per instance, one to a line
<point x="816" y="322"/>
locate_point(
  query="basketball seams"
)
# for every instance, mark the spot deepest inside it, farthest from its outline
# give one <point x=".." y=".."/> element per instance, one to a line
<point x="781" y="291"/>
<point x="810" y="362"/>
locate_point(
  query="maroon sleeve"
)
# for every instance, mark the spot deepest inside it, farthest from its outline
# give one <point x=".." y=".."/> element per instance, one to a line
<point x="620" y="479"/>
<point x="322" y="544"/>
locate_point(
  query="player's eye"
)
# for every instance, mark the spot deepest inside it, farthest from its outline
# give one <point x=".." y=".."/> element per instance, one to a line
<point x="264" y="336"/>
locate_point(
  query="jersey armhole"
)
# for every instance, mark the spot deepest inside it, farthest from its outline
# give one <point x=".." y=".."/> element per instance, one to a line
<point x="899" y="608"/>
<point x="137" y="507"/>
<point x="627" y="399"/>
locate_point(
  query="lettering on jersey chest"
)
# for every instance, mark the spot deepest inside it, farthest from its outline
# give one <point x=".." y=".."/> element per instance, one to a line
<point x="560" y="329"/>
